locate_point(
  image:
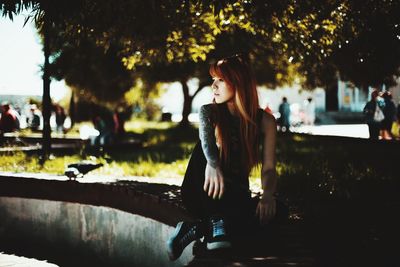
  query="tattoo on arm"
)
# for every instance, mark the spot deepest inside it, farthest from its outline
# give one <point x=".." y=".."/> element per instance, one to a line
<point x="207" y="136"/>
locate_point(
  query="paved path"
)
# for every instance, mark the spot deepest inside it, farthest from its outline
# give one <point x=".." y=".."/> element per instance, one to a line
<point x="349" y="130"/>
<point x="7" y="260"/>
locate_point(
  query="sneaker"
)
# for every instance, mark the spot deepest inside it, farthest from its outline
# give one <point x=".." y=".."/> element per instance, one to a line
<point x="218" y="237"/>
<point x="185" y="233"/>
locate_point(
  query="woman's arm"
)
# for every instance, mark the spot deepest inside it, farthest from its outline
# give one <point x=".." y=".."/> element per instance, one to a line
<point x="214" y="180"/>
<point x="267" y="206"/>
<point x="207" y="136"/>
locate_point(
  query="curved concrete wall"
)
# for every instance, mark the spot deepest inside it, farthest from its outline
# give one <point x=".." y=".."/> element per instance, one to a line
<point x="115" y="237"/>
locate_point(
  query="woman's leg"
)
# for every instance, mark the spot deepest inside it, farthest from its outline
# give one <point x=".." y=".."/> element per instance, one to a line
<point x="234" y="204"/>
<point x="194" y="200"/>
<point x="193" y="196"/>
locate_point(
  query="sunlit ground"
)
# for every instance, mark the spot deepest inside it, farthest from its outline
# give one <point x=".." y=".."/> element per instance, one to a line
<point x="350" y="130"/>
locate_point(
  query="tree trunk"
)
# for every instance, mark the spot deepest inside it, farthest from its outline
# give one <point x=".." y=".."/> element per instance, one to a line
<point x="72" y="108"/>
<point x="46" y="140"/>
<point x="331" y="101"/>
<point x="188" y="100"/>
<point x="187" y="104"/>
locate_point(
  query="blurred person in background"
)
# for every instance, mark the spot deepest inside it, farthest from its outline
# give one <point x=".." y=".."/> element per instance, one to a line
<point x="60" y="117"/>
<point x="9" y="121"/>
<point x="389" y="112"/>
<point x="309" y="111"/>
<point x="284" y="119"/>
<point x="395" y="131"/>
<point x="374" y="115"/>
<point x="34" y="118"/>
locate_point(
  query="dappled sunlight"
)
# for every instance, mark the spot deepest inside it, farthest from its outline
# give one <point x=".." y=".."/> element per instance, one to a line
<point x="140" y="126"/>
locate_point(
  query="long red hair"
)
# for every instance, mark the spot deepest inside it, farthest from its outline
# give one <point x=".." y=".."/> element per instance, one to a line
<point x="237" y="74"/>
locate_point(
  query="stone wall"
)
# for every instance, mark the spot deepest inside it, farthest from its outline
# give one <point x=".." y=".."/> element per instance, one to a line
<point x="114" y="224"/>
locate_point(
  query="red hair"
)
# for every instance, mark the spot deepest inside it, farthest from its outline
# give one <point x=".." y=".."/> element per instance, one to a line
<point x="236" y="73"/>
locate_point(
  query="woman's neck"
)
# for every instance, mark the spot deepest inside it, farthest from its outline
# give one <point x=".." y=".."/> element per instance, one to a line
<point x="231" y="107"/>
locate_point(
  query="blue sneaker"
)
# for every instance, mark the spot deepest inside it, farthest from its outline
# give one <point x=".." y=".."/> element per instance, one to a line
<point x="218" y="237"/>
<point x="185" y="233"/>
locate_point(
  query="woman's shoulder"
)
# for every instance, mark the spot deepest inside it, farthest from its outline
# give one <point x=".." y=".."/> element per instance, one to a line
<point x="206" y="107"/>
<point x="265" y="116"/>
<point x="267" y="120"/>
<point x="206" y="111"/>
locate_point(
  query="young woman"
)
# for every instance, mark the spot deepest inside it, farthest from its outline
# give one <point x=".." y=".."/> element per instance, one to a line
<point x="235" y="136"/>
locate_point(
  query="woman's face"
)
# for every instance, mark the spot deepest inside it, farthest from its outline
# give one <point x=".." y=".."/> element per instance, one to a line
<point x="222" y="92"/>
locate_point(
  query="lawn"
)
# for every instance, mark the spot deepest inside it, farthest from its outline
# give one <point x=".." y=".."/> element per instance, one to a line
<point x="333" y="165"/>
<point x="165" y="153"/>
<point x="321" y="167"/>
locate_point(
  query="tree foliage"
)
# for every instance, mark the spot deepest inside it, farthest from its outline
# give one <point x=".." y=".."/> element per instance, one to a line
<point x="310" y="40"/>
<point x="90" y="69"/>
<point x="366" y="49"/>
<point x="370" y="51"/>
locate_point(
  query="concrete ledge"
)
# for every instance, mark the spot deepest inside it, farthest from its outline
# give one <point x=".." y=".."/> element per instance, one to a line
<point x="94" y="236"/>
<point x="160" y="202"/>
<point x="125" y="223"/>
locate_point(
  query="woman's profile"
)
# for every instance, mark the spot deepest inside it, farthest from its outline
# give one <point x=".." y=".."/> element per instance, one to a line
<point x="235" y="136"/>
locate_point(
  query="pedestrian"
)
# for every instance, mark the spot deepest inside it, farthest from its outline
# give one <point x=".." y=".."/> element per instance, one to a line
<point x="309" y="111"/>
<point x="284" y="119"/>
<point x="119" y="121"/>
<point x="374" y="115"/>
<point x="398" y="111"/>
<point x="215" y="189"/>
<point x="389" y="112"/>
<point x="60" y="117"/>
<point x="34" y="119"/>
<point x="8" y="121"/>
<point x="395" y="131"/>
<point x="104" y="124"/>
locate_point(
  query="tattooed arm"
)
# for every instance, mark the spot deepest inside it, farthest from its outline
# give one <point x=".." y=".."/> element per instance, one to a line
<point x="207" y="136"/>
<point x="214" y="180"/>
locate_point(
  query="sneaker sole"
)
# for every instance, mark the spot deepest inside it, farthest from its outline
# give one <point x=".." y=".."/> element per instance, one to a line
<point x="218" y="245"/>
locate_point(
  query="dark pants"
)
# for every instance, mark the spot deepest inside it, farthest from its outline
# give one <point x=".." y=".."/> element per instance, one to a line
<point x="374" y="128"/>
<point x="236" y="205"/>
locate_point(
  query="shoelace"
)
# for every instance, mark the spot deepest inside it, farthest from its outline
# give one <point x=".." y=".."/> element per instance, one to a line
<point x="188" y="237"/>
<point x="218" y="228"/>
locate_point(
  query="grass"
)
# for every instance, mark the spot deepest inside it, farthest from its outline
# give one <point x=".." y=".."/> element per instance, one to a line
<point x="306" y="165"/>
<point x="21" y="162"/>
<point x="165" y="153"/>
<point x="336" y="167"/>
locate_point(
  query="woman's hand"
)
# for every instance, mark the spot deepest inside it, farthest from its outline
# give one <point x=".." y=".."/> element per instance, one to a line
<point x="214" y="182"/>
<point x="266" y="207"/>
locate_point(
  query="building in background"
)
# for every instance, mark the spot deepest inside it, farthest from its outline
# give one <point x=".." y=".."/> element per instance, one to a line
<point x="353" y="99"/>
<point x="396" y="92"/>
<point x="350" y="98"/>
